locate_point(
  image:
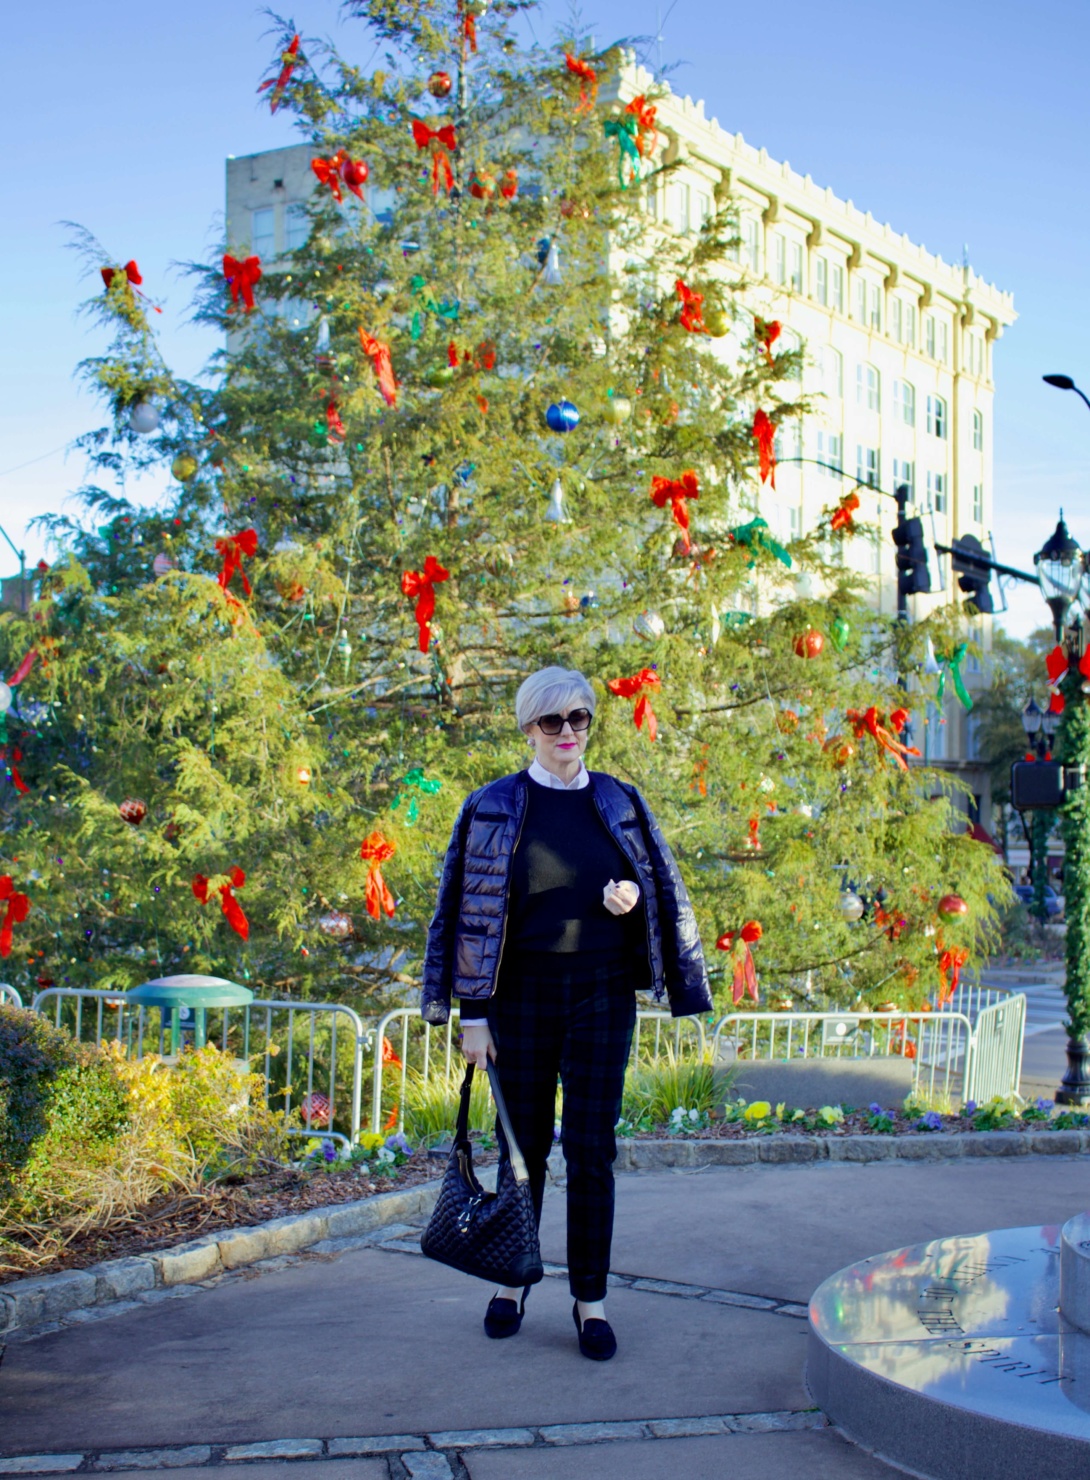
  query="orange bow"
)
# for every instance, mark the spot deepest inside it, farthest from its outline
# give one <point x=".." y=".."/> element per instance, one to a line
<point x="628" y="688"/>
<point x="18" y="907"/>
<point x="767" y="334"/>
<point x="869" y="722"/>
<point x="842" y="515"/>
<point x="738" y="943"/>
<point x="379" y="354"/>
<point x="375" y="850"/>
<point x="764" y="434"/>
<point x="444" y="139"/>
<point x="233" y="548"/>
<point x="421" y="585"/>
<point x="675" y="491"/>
<point x="645" y="114"/>
<point x="588" y="77"/>
<point x="288" y="60"/>
<point x="241" y="279"/>
<point x="950" y="963"/>
<point x="692" y="309"/>
<point x="229" y="904"/>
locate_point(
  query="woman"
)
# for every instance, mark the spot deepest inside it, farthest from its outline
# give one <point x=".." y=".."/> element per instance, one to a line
<point x="559" y="898"/>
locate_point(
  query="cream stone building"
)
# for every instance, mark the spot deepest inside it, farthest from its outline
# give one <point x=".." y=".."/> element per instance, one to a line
<point x="898" y="349"/>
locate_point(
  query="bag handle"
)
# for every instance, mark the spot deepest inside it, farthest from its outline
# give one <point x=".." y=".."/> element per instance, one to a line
<point x="518" y="1161"/>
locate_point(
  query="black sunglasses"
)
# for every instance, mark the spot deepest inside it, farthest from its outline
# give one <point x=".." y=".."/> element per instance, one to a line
<point x="552" y="724"/>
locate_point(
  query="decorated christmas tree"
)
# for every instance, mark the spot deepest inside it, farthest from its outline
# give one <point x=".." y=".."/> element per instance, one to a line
<point x="513" y="421"/>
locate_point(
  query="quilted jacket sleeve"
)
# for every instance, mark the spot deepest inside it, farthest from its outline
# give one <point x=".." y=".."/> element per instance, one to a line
<point x="439" y="951"/>
<point x="682" y="953"/>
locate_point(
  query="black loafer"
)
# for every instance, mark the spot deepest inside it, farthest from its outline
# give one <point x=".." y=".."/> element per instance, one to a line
<point x="503" y="1317"/>
<point x="596" y="1338"/>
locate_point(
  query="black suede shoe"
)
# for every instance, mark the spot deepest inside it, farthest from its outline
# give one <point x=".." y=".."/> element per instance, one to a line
<point x="596" y="1338"/>
<point x="503" y="1317"/>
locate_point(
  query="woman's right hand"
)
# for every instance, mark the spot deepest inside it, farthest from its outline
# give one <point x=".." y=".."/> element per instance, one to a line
<point x="478" y="1044"/>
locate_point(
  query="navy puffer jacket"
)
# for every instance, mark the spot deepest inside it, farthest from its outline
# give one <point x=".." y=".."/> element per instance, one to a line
<point x="465" y="939"/>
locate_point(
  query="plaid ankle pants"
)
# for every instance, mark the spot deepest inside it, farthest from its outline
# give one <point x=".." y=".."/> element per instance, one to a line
<point x="567" y="1017"/>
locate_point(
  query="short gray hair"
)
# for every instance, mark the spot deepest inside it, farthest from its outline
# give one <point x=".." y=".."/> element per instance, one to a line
<point x="549" y="691"/>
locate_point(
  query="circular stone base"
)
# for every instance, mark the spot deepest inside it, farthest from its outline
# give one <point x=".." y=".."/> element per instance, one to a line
<point x="953" y="1360"/>
<point x="1075" y="1271"/>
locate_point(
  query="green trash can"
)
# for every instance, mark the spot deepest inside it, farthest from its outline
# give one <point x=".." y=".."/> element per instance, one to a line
<point x="173" y="995"/>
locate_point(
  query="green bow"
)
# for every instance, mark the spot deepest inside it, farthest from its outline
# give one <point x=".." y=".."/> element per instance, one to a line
<point x="623" y="129"/>
<point x="755" y="536"/>
<point x="446" y="310"/>
<point x="415" y="778"/>
<point x="951" y="662"/>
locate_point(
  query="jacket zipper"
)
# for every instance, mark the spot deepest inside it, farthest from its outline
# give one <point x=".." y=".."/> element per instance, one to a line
<point x="635" y="869"/>
<point x="507" y="890"/>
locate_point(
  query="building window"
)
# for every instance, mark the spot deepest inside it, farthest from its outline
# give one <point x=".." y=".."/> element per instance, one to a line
<point x="779" y="257"/>
<point x="791" y="345"/>
<point x="680" y="203"/>
<point x="910" y="325"/>
<point x="944" y="341"/>
<point x="262" y="239"/>
<point x="821" y="281"/>
<point x="875" y="307"/>
<point x="904" y="402"/>
<point x="832" y="372"/>
<point x="788" y="441"/>
<point x="978" y="503"/>
<point x="905" y="472"/>
<point x="794" y="521"/>
<point x="868" y="387"/>
<point x="866" y="465"/>
<point x="929" y="335"/>
<point x="751" y="236"/>
<point x="896" y="318"/>
<point x="978" y="432"/>
<point x="936" y="416"/>
<point x="830" y="452"/>
<point x="861" y="300"/>
<point x="936" y="492"/>
<point x="837" y="287"/>
<point x="935" y="745"/>
<point x="382" y="203"/>
<point x="703" y="208"/>
<point x="296" y="227"/>
<point x="796" y="266"/>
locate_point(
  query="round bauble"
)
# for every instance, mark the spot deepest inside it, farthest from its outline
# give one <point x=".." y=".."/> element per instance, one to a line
<point x="143" y="418"/>
<point x="302" y="775"/>
<point x="951" y="906"/>
<point x="840" y="630"/>
<point x="617" y="410"/>
<point x="717" y="322"/>
<point x="354" y="173"/>
<point x="588" y="601"/>
<point x="162" y="565"/>
<point x="851" y="906"/>
<point x="482" y="185"/>
<point x="562" y="416"/>
<point x="440" y="377"/>
<point x="571" y="601"/>
<point x="132" y="811"/>
<point x="809" y="644"/>
<point x="337" y="925"/>
<point x="439" y="84"/>
<point x="7" y="698"/>
<point x="184" y="467"/>
<point x="648" y="624"/>
<point x="574" y="209"/>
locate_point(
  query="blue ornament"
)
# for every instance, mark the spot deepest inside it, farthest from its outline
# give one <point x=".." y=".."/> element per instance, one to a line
<point x="562" y="417"/>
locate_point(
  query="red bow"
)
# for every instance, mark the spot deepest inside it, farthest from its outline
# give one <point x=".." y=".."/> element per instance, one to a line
<point x="692" y="308"/>
<point x="950" y="963"/>
<point x="869" y="722"/>
<point x="738" y="943"/>
<point x="767" y="334"/>
<point x="469" y="26"/>
<point x="628" y="688"/>
<point x="484" y="358"/>
<point x="23" y="669"/>
<point x="233" y="548"/>
<point x="675" y="491"/>
<point x="132" y="273"/>
<point x="645" y="114"/>
<point x="16" y="912"/>
<point x="230" y="905"/>
<point x="288" y="60"/>
<point x="380" y="355"/>
<point x="444" y="139"/>
<point x="421" y="585"/>
<point x="376" y="850"/>
<point x="328" y="171"/>
<point x="334" y="425"/>
<point x="1056" y="665"/>
<point x="510" y="186"/>
<point x="842" y="514"/>
<point x="587" y="77"/>
<point x="242" y="278"/>
<point x="13" y="755"/>
<point x="764" y="434"/>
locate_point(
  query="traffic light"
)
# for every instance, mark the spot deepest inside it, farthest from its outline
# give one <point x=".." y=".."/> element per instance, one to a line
<point x="972" y="566"/>
<point x="913" y="575"/>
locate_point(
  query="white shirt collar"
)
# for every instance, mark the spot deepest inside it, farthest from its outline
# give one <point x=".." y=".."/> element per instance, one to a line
<point x="547" y="778"/>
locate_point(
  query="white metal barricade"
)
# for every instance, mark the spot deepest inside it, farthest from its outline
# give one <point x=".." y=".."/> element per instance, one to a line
<point x="10" y="995"/>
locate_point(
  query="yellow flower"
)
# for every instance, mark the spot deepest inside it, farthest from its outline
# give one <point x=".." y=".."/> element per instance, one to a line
<point x="759" y="1110"/>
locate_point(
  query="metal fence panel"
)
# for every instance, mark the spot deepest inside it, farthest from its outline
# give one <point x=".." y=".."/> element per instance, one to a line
<point x="10" y="995"/>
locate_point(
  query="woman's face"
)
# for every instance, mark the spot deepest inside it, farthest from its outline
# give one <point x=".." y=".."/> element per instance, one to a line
<point x="568" y="746"/>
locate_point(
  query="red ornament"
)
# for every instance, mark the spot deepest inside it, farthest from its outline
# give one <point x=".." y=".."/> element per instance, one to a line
<point x="843" y="515"/>
<point x="951" y="905"/>
<point x="328" y="172"/>
<point x="132" y="811"/>
<point x="241" y="279"/>
<point x="692" y="309"/>
<point x="354" y="173"/>
<point x="233" y="548"/>
<point x="443" y="142"/>
<point x="766" y="335"/>
<point x="482" y="185"/>
<point x="18" y="907"/>
<point x="439" y="84"/>
<point x="509" y="187"/>
<point x="675" y="491"/>
<point x="764" y="434"/>
<point x="809" y="644"/>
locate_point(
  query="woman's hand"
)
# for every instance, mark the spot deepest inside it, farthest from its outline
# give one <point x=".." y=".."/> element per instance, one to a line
<point x="620" y="898"/>
<point x="477" y="1044"/>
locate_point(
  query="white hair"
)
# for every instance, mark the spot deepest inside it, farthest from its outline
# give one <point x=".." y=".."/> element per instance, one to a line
<point x="549" y="691"/>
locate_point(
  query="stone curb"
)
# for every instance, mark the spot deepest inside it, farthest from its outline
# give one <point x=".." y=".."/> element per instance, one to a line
<point x="56" y="1297"/>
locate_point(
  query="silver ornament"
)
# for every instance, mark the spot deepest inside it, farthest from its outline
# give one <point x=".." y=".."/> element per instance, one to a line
<point x="143" y="418"/>
<point x="553" y="274"/>
<point x="337" y="925"/>
<point x="648" y="624"/>
<point x="851" y="906"/>
<point x="555" y="512"/>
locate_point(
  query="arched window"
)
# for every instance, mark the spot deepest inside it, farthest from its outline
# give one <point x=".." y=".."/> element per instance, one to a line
<point x="868" y="387"/>
<point x="978" y="432"/>
<point x="904" y="402"/>
<point x="937" y="422"/>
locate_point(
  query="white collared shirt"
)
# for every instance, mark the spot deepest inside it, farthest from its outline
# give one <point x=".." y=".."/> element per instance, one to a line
<point x="547" y="778"/>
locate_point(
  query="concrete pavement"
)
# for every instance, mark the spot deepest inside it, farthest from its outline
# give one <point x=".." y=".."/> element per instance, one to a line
<point x="371" y="1363"/>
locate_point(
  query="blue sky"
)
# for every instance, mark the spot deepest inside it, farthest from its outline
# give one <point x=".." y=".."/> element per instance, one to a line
<point x="960" y="121"/>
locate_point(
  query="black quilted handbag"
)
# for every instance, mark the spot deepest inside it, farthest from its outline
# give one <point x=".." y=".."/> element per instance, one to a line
<point x="492" y="1235"/>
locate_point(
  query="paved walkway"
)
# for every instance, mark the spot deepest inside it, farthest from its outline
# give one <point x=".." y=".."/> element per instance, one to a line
<point x="369" y="1362"/>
